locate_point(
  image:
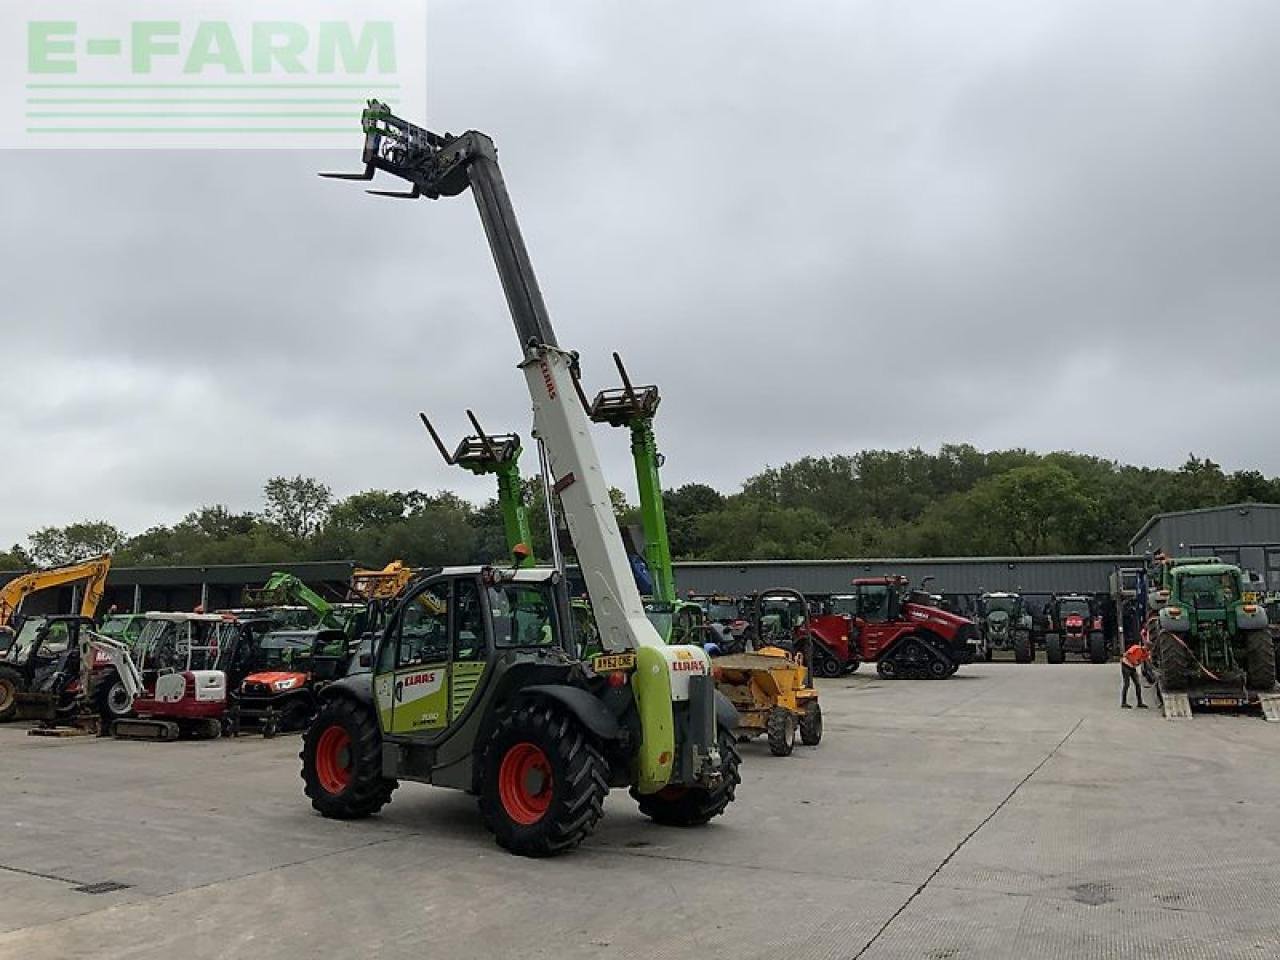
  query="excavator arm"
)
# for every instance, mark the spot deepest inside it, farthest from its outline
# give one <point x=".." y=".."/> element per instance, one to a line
<point x="94" y="571"/>
<point x="283" y="588"/>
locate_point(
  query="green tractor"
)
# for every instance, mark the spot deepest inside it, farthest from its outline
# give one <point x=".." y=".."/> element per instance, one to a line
<point x="1006" y="624"/>
<point x="1211" y="644"/>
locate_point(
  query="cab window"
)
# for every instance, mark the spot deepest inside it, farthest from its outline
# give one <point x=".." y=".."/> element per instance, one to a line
<point x="468" y="641"/>
<point x="522" y="615"/>
<point x="422" y="635"/>
<point x="873" y="603"/>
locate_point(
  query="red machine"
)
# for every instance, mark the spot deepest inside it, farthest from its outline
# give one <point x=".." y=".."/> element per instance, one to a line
<point x="835" y="652"/>
<point x="901" y="630"/>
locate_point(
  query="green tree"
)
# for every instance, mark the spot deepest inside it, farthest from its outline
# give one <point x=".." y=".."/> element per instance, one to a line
<point x="50" y="546"/>
<point x="298" y="506"/>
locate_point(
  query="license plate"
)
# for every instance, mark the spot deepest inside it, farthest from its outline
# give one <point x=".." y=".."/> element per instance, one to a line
<point x="1221" y="702"/>
<point x="613" y="661"/>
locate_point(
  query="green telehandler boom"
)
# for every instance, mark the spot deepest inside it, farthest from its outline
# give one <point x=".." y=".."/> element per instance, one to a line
<point x="499" y="456"/>
<point x="284" y="588"/>
<point x="634" y="408"/>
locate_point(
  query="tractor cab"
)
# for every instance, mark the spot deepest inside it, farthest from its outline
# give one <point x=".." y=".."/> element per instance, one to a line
<point x="680" y="622"/>
<point x="40" y="670"/>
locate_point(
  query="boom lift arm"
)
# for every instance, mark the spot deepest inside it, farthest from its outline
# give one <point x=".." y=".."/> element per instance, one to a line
<point x="283" y="588"/>
<point x="93" y="570"/>
<point x="445" y="165"/>
<point x="498" y="455"/>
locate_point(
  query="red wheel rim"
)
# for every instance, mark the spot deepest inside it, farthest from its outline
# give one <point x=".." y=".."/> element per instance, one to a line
<point x="333" y="760"/>
<point x="525" y="783"/>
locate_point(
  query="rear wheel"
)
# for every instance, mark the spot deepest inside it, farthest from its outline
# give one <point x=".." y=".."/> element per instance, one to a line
<point x="811" y="725"/>
<point x="678" y="806"/>
<point x="10" y="684"/>
<point x="1174" y="660"/>
<point x="342" y="762"/>
<point x="544" y="782"/>
<point x="825" y="664"/>
<point x="1023" y="651"/>
<point x="1053" y="649"/>
<point x="1097" y="648"/>
<point x="1260" y="660"/>
<point x="781" y="727"/>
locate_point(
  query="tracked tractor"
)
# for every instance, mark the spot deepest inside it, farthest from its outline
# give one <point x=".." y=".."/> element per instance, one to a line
<point x="1005" y="624"/>
<point x="491" y="696"/>
<point x="906" y="639"/>
<point x="1210" y="646"/>
<point x="1074" y="624"/>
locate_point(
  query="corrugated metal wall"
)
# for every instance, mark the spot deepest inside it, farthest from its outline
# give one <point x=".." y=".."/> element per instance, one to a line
<point x="964" y="575"/>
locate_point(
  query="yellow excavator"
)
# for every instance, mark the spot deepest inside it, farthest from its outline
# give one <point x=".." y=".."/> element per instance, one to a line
<point x="93" y="571"/>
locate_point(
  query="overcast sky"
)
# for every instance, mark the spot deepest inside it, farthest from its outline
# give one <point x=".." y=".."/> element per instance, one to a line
<point x="819" y="226"/>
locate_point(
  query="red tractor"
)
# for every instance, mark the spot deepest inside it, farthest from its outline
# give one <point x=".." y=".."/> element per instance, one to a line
<point x="1075" y="625"/>
<point x="903" y="632"/>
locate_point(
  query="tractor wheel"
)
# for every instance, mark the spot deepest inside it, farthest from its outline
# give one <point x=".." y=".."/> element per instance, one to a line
<point x="1023" y="650"/>
<point x="114" y="702"/>
<point x="1174" y="660"/>
<point x="988" y="654"/>
<point x="678" y="806"/>
<point x="825" y="664"/>
<point x="296" y="714"/>
<point x="544" y="782"/>
<point x="941" y="669"/>
<point x="887" y="669"/>
<point x="342" y="762"/>
<point x="781" y="727"/>
<point x="811" y="725"/>
<point x="1097" y="648"/>
<point x="1260" y="660"/>
<point x="10" y="684"/>
<point x="1053" y="649"/>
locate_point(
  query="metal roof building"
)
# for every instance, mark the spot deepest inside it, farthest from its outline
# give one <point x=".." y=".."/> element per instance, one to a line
<point x="1246" y="534"/>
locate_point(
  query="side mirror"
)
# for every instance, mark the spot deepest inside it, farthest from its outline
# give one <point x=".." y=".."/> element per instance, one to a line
<point x="366" y="659"/>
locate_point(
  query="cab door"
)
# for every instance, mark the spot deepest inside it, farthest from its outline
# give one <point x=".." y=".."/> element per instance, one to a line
<point x="873" y="612"/>
<point x="411" y="677"/>
<point x="470" y="645"/>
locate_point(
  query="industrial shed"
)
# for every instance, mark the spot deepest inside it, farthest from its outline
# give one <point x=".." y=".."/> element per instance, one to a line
<point x="1246" y="534"/>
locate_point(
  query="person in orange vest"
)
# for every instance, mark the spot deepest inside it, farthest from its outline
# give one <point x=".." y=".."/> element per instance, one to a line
<point x="1132" y="660"/>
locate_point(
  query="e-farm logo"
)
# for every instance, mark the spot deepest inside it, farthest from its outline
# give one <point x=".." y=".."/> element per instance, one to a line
<point x="205" y="73"/>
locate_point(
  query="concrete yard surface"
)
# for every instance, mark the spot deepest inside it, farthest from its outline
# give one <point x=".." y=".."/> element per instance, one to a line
<point x="1011" y="811"/>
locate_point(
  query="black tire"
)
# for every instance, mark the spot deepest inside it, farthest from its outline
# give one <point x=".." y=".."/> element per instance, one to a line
<point x="781" y="728"/>
<point x="811" y="724"/>
<point x="1097" y="648"/>
<point x="695" y="806"/>
<point x="114" y="702"/>
<point x="887" y="669"/>
<point x="296" y="714"/>
<point x="573" y="782"/>
<point x="1260" y="660"/>
<point x="1053" y="649"/>
<point x="1023" y="651"/>
<point x="11" y="684"/>
<point x="366" y="790"/>
<point x="825" y="664"/>
<point x="988" y="654"/>
<point x="1174" y="661"/>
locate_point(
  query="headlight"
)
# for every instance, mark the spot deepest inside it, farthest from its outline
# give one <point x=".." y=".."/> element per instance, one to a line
<point x="288" y="684"/>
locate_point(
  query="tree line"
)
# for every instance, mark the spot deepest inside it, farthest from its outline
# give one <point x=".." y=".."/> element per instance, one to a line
<point x="959" y="501"/>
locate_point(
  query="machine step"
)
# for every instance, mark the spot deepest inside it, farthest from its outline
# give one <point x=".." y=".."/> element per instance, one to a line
<point x="1270" y="704"/>
<point x="1177" y="706"/>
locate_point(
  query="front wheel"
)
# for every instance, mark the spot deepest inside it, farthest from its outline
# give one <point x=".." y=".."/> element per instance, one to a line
<point x="1097" y="648"/>
<point x="342" y="762"/>
<point x="1023" y="651"/>
<point x="1053" y="649"/>
<point x="114" y="702"/>
<point x="10" y="684"/>
<point x="544" y="782"/>
<point x="678" y="806"/>
<point x="1260" y="660"/>
<point x="825" y="664"/>
<point x="811" y="725"/>
<point x="781" y="727"/>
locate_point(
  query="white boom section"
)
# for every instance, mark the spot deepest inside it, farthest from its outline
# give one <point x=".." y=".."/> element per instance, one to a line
<point x="565" y="430"/>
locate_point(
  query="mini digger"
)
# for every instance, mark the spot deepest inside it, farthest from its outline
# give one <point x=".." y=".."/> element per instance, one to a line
<point x="771" y="686"/>
<point x="483" y="689"/>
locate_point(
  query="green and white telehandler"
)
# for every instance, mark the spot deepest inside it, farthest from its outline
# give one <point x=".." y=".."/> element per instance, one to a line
<point x="476" y="683"/>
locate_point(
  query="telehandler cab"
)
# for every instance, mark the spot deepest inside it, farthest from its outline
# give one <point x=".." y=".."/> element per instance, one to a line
<point x="490" y="696"/>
